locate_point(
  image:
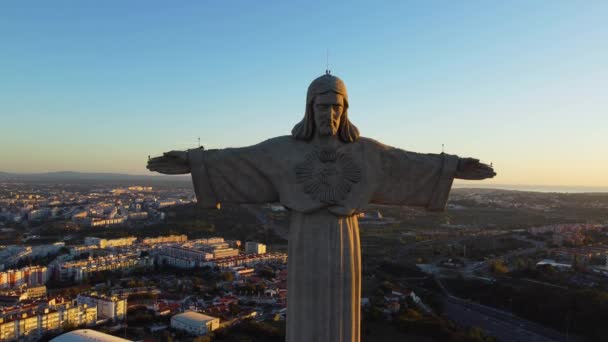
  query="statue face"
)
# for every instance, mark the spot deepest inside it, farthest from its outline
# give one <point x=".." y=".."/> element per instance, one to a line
<point x="328" y="109"/>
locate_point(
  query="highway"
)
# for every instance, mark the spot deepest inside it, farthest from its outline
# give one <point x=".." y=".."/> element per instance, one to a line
<point x="501" y="324"/>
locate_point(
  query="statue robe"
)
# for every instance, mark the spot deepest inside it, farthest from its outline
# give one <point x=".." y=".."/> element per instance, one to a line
<point x="325" y="189"/>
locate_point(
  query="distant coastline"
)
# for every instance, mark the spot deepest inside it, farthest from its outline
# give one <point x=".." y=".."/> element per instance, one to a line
<point x="70" y="176"/>
<point x="535" y="188"/>
<point x="98" y="176"/>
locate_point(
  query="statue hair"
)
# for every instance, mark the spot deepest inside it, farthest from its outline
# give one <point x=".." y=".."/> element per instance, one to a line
<point x="305" y="129"/>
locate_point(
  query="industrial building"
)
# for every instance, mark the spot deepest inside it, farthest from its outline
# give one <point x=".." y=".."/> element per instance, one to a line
<point x="195" y="323"/>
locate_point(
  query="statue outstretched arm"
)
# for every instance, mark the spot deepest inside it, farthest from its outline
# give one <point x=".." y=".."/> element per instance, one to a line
<point x="231" y="175"/>
<point x="170" y="163"/>
<point x="472" y="169"/>
<point x="416" y="179"/>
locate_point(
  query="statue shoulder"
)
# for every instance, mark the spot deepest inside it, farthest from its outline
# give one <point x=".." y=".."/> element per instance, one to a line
<point x="277" y="142"/>
<point x="270" y="145"/>
<point x="370" y="143"/>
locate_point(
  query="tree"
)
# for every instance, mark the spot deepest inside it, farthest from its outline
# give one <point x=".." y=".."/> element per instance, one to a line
<point x="266" y="274"/>
<point x="68" y="327"/>
<point x="477" y="334"/>
<point x="498" y="267"/>
<point x="228" y="276"/>
<point x="386" y="287"/>
<point x="234" y="309"/>
<point x="412" y="315"/>
<point x="577" y="264"/>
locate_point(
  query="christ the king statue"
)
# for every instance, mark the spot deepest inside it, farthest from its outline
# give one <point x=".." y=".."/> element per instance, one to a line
<point x="325" y="174"/>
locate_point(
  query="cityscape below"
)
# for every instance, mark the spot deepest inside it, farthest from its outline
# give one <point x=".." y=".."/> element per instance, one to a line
<point x="137" y="261"/>
<point x="303" y="171"/>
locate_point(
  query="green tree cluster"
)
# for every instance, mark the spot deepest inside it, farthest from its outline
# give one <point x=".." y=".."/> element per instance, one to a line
<point x="498" y="267"/>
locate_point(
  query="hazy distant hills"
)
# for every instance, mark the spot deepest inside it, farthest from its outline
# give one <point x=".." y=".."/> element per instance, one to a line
<point x="91" y="177"/>
<point x="69" y="176"/>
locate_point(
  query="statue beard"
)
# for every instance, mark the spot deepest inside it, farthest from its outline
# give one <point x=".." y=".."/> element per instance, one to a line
<point x="327" y="129"/>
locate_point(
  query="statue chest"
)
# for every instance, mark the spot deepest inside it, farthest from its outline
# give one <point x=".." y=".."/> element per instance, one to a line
<point x="326" y="177"/>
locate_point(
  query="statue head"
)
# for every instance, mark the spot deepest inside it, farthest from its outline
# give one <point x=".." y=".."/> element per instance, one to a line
<point x="326" y="111"/>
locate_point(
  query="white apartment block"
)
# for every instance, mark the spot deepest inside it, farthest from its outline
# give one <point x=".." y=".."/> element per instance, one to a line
<point x="106" y="243"/>
<point x="255" y="248"/>
<point x="30" y="276"/>
<point x="113" y="308"/>
<point x="80" y="270"/>
<point x="165" y="239"/>
<point x="29" y="325"/>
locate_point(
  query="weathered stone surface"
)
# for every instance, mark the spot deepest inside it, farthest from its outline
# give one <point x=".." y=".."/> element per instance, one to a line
<point x="325" y="173"/>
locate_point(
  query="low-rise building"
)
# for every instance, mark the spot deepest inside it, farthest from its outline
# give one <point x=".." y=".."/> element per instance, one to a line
<point x="250" y="260"/>
<point x="141" y="215"/>
<point x="185" y="253"/>
<point x="36" y="291"/>
<point x="113" y="307"/>
<point x="195" y="323"/>
<point x="177" y="262"/>
<point x="81" y="269"/>
<point x="49" y="320"/>
<point x="77" y="315"/>
<point x="8" y="329"/>
<point x="255" y="248"/>
<point x="164" y="204"/>
<point x="165" y="239"/>
<point x="31" y="276"/>
<point x="106" y="243"/>
<point x="13" y="297"/>
<point x="39" y="214"/>
<point x="107" y="222"/>
<point x="225" y="253"/>
<point x="28" y="324"/>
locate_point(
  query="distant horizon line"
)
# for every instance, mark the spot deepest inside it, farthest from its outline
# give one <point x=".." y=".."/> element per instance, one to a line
<point x="86" y="173"/>
<point x="68" y="171"/>
<point x="457" y="184"/>
<point x="537" y="187"/>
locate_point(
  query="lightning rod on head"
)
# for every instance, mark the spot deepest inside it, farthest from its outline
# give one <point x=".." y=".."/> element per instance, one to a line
<point x="327" y="71"/>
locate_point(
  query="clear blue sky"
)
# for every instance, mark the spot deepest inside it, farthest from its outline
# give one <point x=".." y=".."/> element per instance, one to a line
<point x="99" y="86"/>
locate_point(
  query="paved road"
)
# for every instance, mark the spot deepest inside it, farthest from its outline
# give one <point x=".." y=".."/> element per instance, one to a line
<point x="503" y="325"/>
<point x="504" y="328"/>
<point x="266" y="222"/>
<point x="484" y="266"/>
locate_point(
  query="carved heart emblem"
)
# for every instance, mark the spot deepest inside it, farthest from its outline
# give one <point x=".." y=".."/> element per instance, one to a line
<point x="327" y="175"/>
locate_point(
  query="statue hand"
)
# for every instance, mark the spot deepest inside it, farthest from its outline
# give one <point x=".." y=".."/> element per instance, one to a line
<point x="170" y="163"/>
<point x="472" y="169"/>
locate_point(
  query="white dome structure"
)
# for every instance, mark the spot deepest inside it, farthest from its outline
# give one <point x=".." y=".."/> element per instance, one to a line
<point x="82" y="335"/>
